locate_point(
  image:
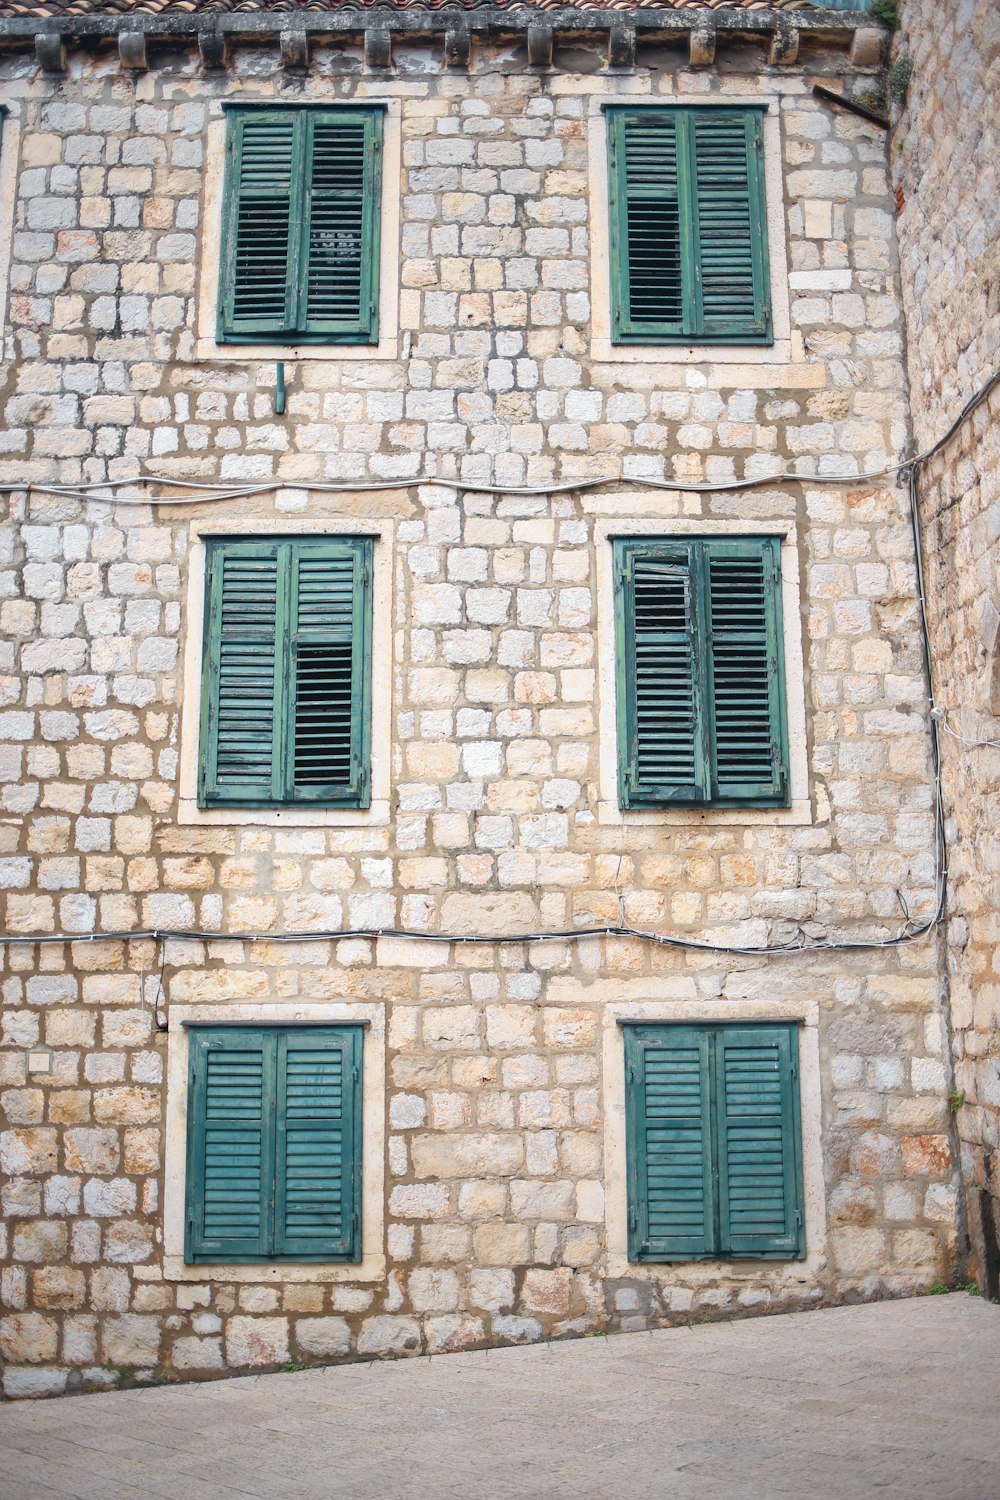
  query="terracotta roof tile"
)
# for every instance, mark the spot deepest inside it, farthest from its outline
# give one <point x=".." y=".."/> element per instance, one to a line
<point x="53" y="9"/>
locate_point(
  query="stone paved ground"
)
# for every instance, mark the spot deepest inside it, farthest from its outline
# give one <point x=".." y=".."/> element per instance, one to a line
<point x="895" y="1400"/>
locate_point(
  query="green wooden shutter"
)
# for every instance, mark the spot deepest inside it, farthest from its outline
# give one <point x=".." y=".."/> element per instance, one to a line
<point x="330" y="681"/>
<point x="661" y="713"/>
<point x="700" y="685"/>
<point x="318" y="1162"/>
<point x="757" y="1132"/>
<point x="746" y="678"/>
<point x="243" y="671"/>
<point x="731" y="229"/>
<point x="262" y="224"/>
<point x="688" y="226"/>
<point x="341" y="240"/>
<point x="274" y="1144"/>
<point x="230" y="1145"/>
<point x="714" y="1156"/>
<point x="671" y="1187"/>
<point x="300" y="258"/>
<point x="647" y="249"/>
<point x="286" y="699"/>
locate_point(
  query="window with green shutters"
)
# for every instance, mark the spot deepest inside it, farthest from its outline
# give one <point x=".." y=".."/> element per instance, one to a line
<point x="274" y="1143"/>
<point x="713" y="1143"/>
<point x="300" y="252"/>
<point x="286" y="697"/>
<point x="700" y="678"/>
<point x="688" y="226"/>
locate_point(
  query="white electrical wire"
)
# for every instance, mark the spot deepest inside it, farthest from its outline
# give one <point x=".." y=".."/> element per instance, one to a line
<point x="910" y="930"/>
<point x="941" y="717"/>
<point x="216" y="493"/>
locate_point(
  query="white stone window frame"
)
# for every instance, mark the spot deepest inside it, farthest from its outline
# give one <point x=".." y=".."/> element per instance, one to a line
<point x="776" y="1276"/>
<point x="653" y="523"/>
<point x="181" y="1017"/>
<point x="207" y="346"/>
<point x="788" y="346"/>
<point x="377" y="813"/>
<point x="10" y="156"/>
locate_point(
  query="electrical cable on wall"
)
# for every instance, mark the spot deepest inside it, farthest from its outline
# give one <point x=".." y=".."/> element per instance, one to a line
<point x="205" y="493"/>
<point x="910" y="931"/>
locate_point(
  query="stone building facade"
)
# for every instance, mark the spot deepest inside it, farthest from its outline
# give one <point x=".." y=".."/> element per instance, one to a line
<point x="944" y="169"/>
<point x="494" y="1203"/>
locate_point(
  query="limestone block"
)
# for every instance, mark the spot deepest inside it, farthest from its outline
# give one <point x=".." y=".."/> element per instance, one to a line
<point x="28" y="1151"/>
<point x="323" y="1337"/>
<point x="547" y="1291"/>
<point x="389" y="1335"/>
<point x="449" y="1334"/>
<point x="131" y="1339"/>
<point x="488" y="1154"/>
<point x="253" y="1341"/>
<point x="58" y="1287"/>
<point x="28" y="1338"/>
<point x="433" y="1290"/>
<point x="196" y="1354"/>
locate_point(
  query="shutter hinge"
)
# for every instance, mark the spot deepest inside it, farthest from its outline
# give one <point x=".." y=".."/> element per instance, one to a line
<point x="355" y="1220"/>
<point x="798" y="1218"/>
<point x="632" y="1219"/>
<point x="357" y="1073"/>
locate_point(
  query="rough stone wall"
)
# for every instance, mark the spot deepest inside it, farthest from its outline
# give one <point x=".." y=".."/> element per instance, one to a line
<point x="944" y="163"/>
<point x="495" y="1218"/>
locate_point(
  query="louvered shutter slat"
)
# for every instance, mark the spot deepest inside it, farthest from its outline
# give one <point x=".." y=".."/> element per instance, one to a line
<point x="229" y="1146"/>
<point x="745" y="676"/>
<point x="330" y="671"/>
<point x="318" y="1144"/>
<point x="258" y="298"/>
<point x="667" y="717"/>
<point x="242" y="667"/>
<point x="671" y="1144"/>
<point x="758" y="1168"/>
<point x="729" y="228"/>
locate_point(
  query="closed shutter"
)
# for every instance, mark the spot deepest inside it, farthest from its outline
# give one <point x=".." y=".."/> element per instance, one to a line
<point x="660" y="682"/>
<point x="649" y="294"/>
<point x="301" y="253"/>
<point x="757" y="1116"/>
<point x="330" y="677"/>
<point x="342" y="233"/>
<point x="730" y="233"/>
<point x="286" y="703"/>
<point x="243" y="672"/>
<point x="688" y="227"/>
<point x="713" y="1140"/>
<point x="258" y="292"/>
<point x="673" y="1211"/>
<point x="747" y="711"/>
<point x="318" y="1143"/>
<point x="274" y="1144"/>
<point x="230" y="1144"/>
<point x="700" y="677"/>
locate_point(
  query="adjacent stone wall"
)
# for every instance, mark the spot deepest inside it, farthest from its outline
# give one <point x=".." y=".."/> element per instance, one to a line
<point x="496" y="1213"/>
<point x="944" y="163"/>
